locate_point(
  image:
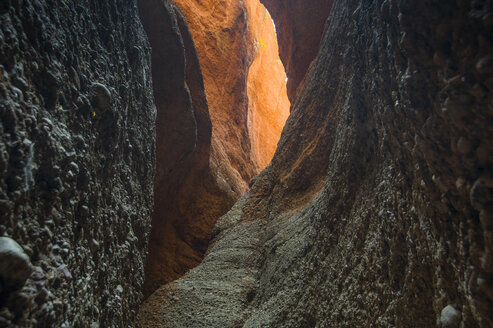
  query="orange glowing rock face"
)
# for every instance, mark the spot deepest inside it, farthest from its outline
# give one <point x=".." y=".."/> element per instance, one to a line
<point x="244" y="81"/>
<point x="268" y="100"/>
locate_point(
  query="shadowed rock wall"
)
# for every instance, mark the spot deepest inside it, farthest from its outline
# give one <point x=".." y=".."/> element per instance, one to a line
<point x="77" y="122"/>
<point x="299" y="27"/>
<point x="377" y="207"/>
<point x="189" y="197"/>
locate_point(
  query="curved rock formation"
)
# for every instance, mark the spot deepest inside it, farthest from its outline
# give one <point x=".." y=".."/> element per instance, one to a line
<point x="199" y="175"/>
<point x="244" y="81"/>
<point x="76" y="162"/>
<point x="299" y="26"/>
<point x="219" y="30"/>
<point x="376" y="209"/>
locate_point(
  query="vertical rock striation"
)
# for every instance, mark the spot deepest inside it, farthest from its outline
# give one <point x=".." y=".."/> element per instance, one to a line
<point x="77" y="159"/>
<point x="376" y="208"/>
<point x="219" y="30"/>
<point x="244" y="81"/>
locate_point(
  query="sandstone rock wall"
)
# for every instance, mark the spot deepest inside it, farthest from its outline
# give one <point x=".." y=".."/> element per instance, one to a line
<point x="77" y="122"/>
<point x="220" y="33"/>
<point x="376" y="208"/>
<point x="244" y="81"/>
<point x="268" y="103"/>
<point x="204" y="163"/>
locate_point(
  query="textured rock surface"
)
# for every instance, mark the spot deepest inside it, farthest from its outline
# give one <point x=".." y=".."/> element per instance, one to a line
<point x="299" y="26"/>
<point x="377" y="207"/>
<point x="220" y="33"/>
<point x="238" y="53"/>
<point x="76" y="159"/>
<point x="15" y="266"/>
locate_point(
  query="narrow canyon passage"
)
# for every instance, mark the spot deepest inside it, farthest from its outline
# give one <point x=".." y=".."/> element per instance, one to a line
<point x="234" y="90"/>
<point x="368" y="213"/>
<point x="145" y="180"/>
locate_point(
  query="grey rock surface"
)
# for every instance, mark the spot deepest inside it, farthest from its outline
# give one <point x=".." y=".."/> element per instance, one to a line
<point x="450" y="317"/>
<point x="77" y="132"/>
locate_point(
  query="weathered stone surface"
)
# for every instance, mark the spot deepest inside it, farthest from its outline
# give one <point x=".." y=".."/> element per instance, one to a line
<point x="220" y="33"/>
<point x="450" y="317"/>
<point x="369" y="214"/>
<point x="299" y="26"/>
<point x="76" y="159"/>
<point x="244" y="81"/>
<point x="15" y="266"/>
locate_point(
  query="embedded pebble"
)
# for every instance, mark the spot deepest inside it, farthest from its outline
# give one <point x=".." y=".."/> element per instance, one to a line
<point x="15" y="266"/>
<point x="103" y="96"/>
<point x="450" y="317"/>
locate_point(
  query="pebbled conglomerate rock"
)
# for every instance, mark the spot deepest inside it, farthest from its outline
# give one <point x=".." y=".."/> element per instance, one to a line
<point x="376" y="208"/>
<point x="77" y="121"/>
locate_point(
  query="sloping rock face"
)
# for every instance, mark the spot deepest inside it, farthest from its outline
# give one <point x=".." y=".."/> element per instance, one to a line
<point x="76" y="162"/>
<point x="188" y="196"/>
<point x="377" y="206"/>
<point x="299" y="26"/>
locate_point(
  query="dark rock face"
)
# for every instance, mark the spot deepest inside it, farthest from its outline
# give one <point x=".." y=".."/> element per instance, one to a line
<point x="377" y="207"/>
<point x="299" y="27"/>
<point x="76" y="159"/>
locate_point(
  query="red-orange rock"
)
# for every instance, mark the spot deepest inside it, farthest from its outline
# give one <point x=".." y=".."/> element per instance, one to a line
<point x="188" y="197"/>
<point x="268" y="106"/>
<point x="236" y="41"/>
<point x="219" y="30"/>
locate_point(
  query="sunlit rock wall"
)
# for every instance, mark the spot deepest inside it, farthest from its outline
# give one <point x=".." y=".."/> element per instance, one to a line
<point x="202" y="167"/>
<point x="268" y="104"/>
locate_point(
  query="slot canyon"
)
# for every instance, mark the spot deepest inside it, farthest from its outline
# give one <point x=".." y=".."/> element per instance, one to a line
<point x="246" y="163"/>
